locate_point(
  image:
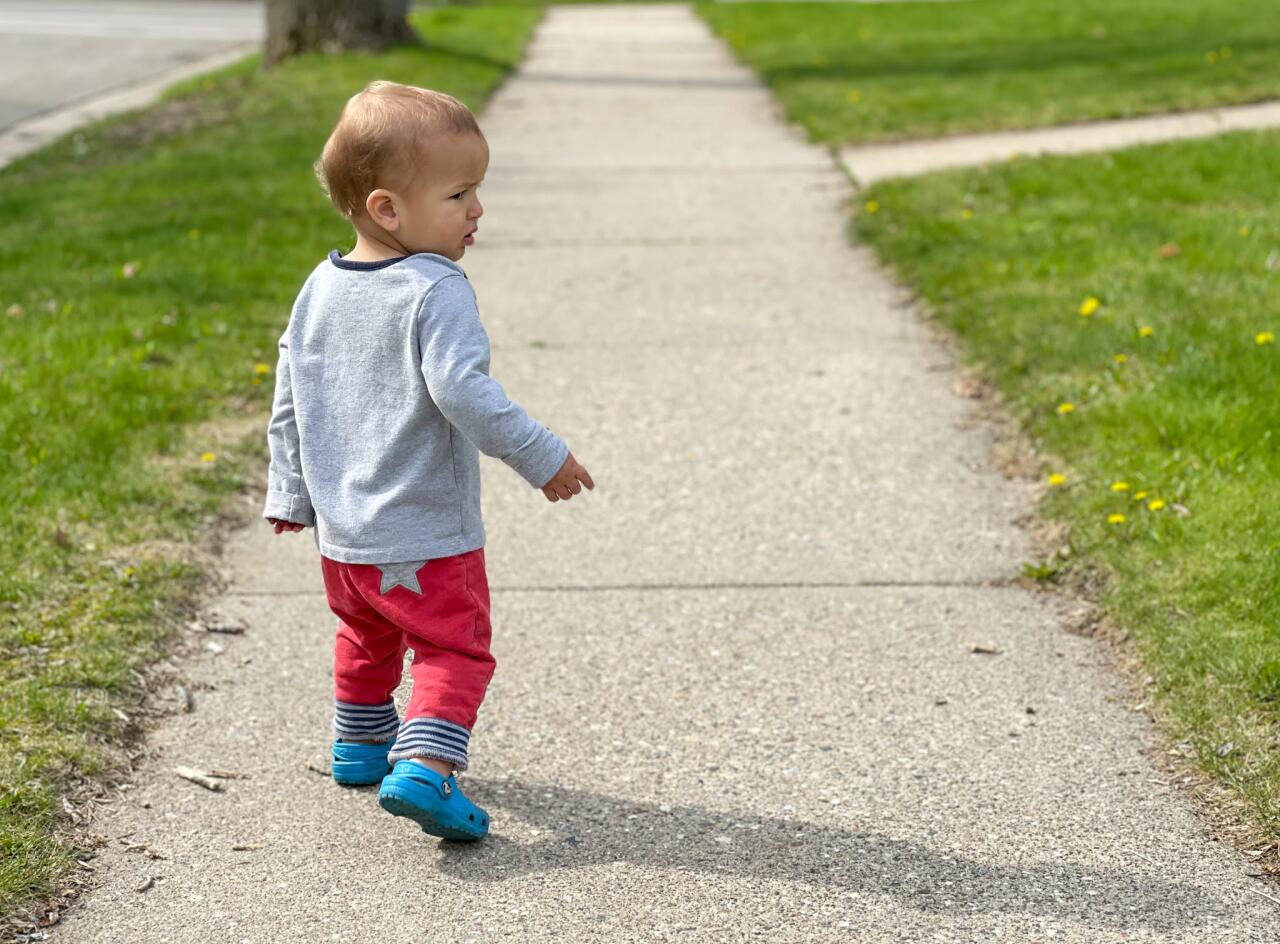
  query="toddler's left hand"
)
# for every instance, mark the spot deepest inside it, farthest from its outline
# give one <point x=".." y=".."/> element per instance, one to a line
<point x="282" y="526"/>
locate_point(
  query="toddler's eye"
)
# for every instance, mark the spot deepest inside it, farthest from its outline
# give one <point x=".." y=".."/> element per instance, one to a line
<point x="458" y="195"/>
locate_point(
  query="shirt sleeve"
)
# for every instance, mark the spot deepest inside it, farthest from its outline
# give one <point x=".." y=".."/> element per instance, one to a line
<point x="455" y="364"/>
<point x="287" y="496"/>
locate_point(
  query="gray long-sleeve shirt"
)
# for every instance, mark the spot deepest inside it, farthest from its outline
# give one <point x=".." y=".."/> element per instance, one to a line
<point x="383" y="403"/>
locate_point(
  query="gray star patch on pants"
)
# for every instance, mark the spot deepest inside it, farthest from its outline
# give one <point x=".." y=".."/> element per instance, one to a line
<point x="402" y="574"/>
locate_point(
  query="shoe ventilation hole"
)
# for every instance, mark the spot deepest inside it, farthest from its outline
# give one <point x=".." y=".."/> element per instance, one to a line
<point x="473" y="817"/>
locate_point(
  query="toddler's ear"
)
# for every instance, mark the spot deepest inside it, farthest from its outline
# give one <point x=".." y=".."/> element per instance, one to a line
<point x="381" y="207"/>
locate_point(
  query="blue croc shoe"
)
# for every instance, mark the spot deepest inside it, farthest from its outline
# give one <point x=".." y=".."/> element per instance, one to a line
<point x="359" y="764"/>
<point x="433" y="802"/>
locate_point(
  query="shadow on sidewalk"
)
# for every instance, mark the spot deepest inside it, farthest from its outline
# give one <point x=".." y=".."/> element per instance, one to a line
<point x="589" y="829"/>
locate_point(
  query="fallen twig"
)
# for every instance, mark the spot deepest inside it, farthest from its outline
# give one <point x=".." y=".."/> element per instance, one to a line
<point x="1264" y="894"/>
<point x="198" y="777"/>
<point x="318" y="769"/>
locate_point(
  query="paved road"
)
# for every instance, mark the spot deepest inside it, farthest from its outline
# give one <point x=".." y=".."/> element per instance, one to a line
<point x="735" y="697"/>
<point x="54" y="53"/>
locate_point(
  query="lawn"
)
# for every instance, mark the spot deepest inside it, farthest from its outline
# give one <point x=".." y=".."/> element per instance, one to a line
<point x="1126" y="304"/>
<point x="146" y="269"/>
<point x="866" y="72"/>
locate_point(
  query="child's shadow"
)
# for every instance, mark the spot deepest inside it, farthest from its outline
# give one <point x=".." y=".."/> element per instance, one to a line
<point x="584" y="829"/>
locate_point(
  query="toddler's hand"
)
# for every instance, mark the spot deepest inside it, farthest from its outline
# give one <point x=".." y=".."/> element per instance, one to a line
<point x="568" y="481"/>
<point x="285" y="525"/>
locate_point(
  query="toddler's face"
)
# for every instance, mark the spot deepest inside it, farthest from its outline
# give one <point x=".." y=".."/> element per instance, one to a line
<point x="439" y="213"/>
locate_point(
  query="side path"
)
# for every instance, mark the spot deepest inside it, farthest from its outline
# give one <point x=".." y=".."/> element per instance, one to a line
<point x="868" y="163"/>
<point x="736" y="697"/>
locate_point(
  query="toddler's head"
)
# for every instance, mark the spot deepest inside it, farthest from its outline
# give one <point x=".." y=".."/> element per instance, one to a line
<point x="403" y="165"/>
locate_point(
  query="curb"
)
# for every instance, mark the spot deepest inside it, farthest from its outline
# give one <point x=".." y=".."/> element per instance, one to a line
<point x="33" y="133"/>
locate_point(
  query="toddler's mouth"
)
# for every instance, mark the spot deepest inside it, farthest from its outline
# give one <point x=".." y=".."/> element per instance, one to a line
<point x="470" y="238"/>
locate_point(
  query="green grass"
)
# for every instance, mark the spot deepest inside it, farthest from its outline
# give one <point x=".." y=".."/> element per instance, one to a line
<point x="1192" y="417"/>
<point x="146" y="267"/>
<point x="861" y="72"/>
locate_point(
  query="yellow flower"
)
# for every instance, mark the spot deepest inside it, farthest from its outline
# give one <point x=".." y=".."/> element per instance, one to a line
<point x="872" y="206"/>
<point x="854" y="96"/>
<point x="1211" y="57"/>
<point x="1013" y="156"/>
<point x="967" y="213"/>
<point x="1116" y="519"/>
<point x="1119" y="486"/>
<point x="1243" y="231"/>
<point x="1057" y="478"/>
<point x="1225" y="52"/>
<point x="207" y="457"/>
<point x="262" y="369"/>
<point x="1146" y="331"/>
<point x="1065" y="408"/>
<point x="1121" y="358"/>
<point x="193" y="234"/>
<point x="1139" y="496"/>
<point x="1089" y="306"/>
<point x="1264" y="337"/>
<point x="1156" y="504"/>
<point x="256" y="381"/>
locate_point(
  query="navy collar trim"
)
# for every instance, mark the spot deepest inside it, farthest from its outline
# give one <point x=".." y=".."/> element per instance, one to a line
<point x="336" y="258"/>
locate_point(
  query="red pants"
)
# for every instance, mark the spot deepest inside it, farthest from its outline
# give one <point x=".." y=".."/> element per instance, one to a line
<point x="439" y="609"/>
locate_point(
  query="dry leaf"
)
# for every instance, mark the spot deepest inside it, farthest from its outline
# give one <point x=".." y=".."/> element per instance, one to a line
<point x="1170" y="250"/>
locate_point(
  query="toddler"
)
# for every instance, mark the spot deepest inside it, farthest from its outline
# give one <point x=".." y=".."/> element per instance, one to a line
<point x="383" y="402"/>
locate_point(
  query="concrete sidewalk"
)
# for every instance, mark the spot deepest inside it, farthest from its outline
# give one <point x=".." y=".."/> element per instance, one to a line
<point x="735" y="696"/>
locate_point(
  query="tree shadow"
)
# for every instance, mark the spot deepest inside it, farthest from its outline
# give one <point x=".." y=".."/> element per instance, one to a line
<point x="588" y="829"/>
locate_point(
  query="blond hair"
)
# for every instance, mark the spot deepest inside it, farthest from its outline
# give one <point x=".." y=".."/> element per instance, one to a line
<point x="374" y="141"/>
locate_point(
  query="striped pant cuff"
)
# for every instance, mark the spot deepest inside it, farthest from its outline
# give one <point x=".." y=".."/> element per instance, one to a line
<point x="365" y="722"/>
<point x="431" y="737"/>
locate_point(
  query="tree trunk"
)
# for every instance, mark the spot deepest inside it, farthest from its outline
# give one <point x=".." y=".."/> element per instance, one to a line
<point x="297" y="26"/>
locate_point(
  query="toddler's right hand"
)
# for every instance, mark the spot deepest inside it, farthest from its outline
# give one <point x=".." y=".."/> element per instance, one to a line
<point x="565" y="483"/>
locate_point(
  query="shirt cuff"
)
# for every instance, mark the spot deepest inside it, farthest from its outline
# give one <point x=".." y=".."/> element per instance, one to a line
<point x="539" y="458"/>
<point x="284" y="506"/>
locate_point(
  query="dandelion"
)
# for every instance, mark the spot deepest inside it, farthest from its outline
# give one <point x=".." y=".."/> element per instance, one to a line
<point x="1155" y="504"/>
<point x="966" y="213"/>
<point x="1121" y="358"/>
<point x="1139" y="496"/>
<point x="1119" y="486"/>
<point x="854" y="96"/>
<point x="1242" y="232"/>
<point x="193" y="234"/>
<point x="1089" y="306"/>
<point x="872" y="206"/>
<point x="262" y="369"/>
<point x="129" y="269"/>
<point x="1065" y="408"/>
<point x="1057" y="478"/>
<point x="1211" y="57"/>
<point x="207" y="457"/>
<point x="1264" y="337"/>
<point x="1146" y="331"/>
<point x="1116" y="518"/>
